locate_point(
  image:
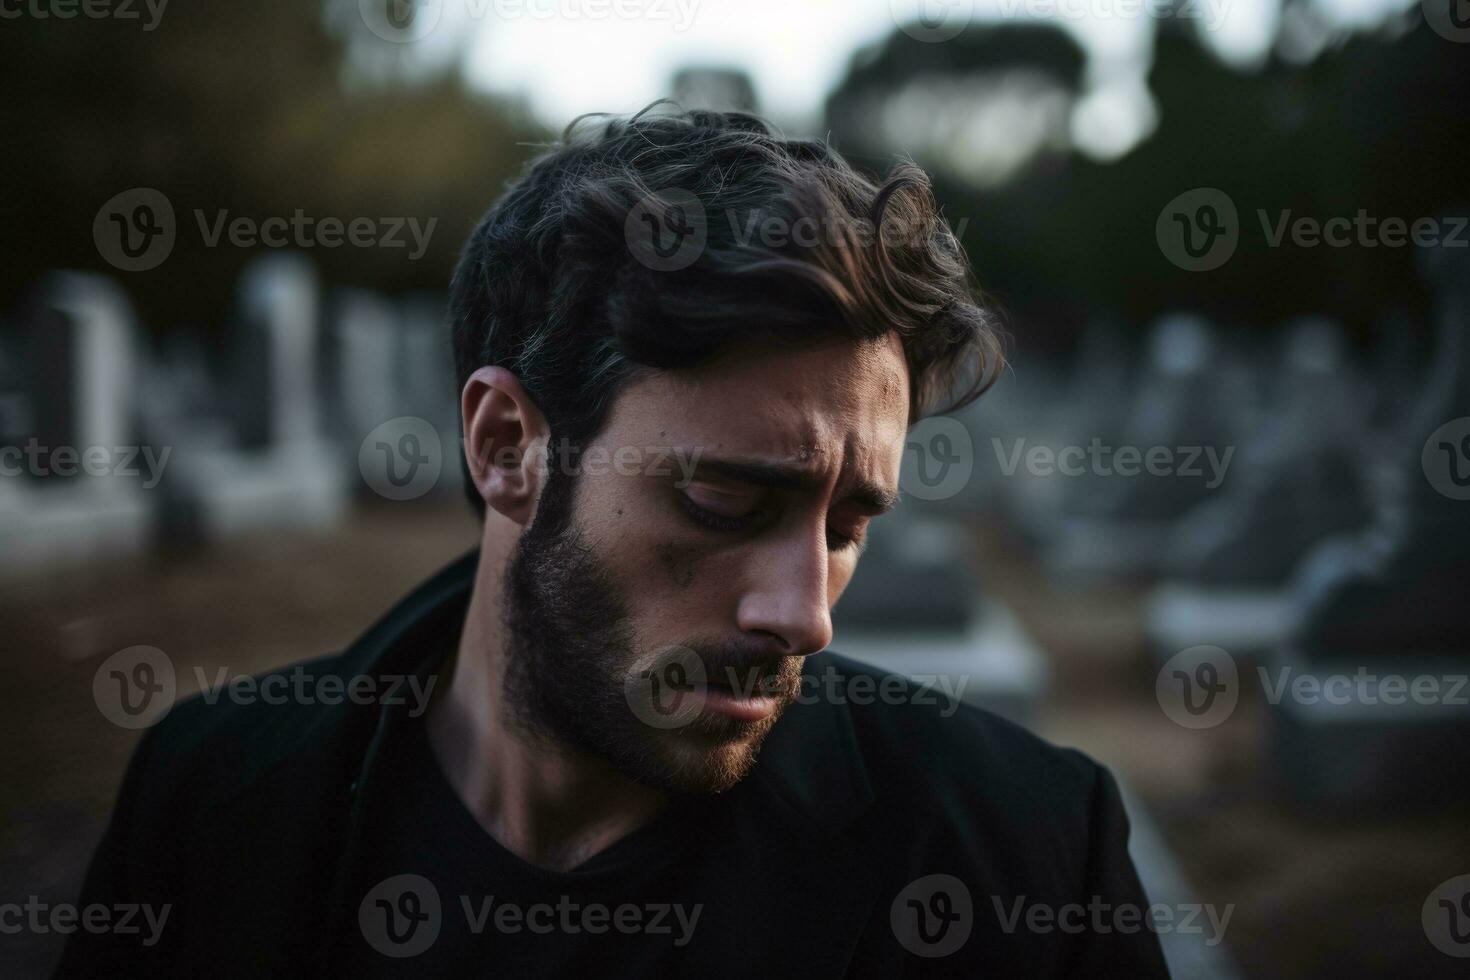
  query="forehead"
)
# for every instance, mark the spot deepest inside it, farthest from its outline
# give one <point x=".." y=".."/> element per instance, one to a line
<point x="819" y="405"/>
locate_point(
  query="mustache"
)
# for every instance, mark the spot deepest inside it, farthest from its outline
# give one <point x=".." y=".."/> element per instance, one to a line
<point x="765" y="675"/>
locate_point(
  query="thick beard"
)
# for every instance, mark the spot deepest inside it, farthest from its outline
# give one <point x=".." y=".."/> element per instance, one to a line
<point x="569" y="650"/>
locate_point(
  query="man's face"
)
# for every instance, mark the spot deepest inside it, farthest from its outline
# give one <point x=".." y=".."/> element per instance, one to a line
<point x="657" y="616"/>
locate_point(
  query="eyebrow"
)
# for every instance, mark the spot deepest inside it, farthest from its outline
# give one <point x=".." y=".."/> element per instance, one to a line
<point x="778" y="476"/>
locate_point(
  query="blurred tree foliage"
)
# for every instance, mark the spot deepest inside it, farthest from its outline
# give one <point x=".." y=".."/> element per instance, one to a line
<point x="1374" y="122"/>
<point x="251" y="107"/>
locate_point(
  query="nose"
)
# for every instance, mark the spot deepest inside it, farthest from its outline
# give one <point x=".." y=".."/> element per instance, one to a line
<point x="787" y="596"/>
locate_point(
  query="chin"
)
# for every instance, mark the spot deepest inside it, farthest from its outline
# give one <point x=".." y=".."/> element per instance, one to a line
<point x="696" y="763"/>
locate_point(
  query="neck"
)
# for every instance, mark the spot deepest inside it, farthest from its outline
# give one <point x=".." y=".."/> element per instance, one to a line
<point x="545" y="803"/>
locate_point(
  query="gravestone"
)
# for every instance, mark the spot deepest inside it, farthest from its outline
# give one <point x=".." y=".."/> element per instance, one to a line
<point x="1389" y="603"/>
<point x="915" y="608"/>
<point x="1121" y="527"/>
<point x="1301" y="478"/>
<point x="83" y="492"/>
<point x="1092" y="402"/>
<point x="364" y="366"/>
<point x="278" y="471"/>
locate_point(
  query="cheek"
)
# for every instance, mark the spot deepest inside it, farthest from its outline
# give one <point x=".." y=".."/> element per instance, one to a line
<point x="662" y="572"/>
<point x="678" y="562"/>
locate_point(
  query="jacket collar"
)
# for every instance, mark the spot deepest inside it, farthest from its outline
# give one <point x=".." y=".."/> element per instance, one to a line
<point x="788" y="815"/>
<point x="811" y="765"/>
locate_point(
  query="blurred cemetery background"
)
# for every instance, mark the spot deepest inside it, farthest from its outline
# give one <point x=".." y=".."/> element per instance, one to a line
<point x="1195" y="493"/>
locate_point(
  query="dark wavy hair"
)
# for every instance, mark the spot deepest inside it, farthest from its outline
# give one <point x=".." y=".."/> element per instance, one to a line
<point x="554" y="286"/>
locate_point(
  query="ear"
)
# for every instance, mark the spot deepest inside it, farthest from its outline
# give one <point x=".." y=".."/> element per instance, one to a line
<point x="505" y="438"/>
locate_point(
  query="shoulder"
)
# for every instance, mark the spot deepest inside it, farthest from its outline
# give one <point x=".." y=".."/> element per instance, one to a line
<point x="240" y="727"/>
<point x="944" y="767"/>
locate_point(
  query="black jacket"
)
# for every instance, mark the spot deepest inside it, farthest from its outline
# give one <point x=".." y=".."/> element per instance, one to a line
<point x="245" y="818"/>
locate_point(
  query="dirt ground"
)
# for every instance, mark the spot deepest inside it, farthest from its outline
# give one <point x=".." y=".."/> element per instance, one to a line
<point x="1316" y="895"/>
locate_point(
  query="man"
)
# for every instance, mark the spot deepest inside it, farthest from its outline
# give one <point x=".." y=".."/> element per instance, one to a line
<point x="688" y="353"/>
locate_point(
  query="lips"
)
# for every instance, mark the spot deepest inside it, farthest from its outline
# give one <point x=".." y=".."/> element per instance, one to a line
<point x="722" y="699"/>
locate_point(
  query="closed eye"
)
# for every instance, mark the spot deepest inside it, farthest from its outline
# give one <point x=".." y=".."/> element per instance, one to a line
<point x="731" y="523"/>
<point x="716" y="521"/>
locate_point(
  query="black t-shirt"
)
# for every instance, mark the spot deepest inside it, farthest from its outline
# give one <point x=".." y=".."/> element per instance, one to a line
<point x="633" y="909"/>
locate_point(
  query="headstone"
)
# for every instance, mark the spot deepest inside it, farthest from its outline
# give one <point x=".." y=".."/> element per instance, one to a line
<point x="1122" y="527"/>
<point x="275" y="353"/>
<point x="81" y="377"/>
<point x="1300" y="479"/>
<point x="365" y="366"/>
<point x="914" y="608"/>
<point x="1389" y="607"/>
<point x="279" y="470"/>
